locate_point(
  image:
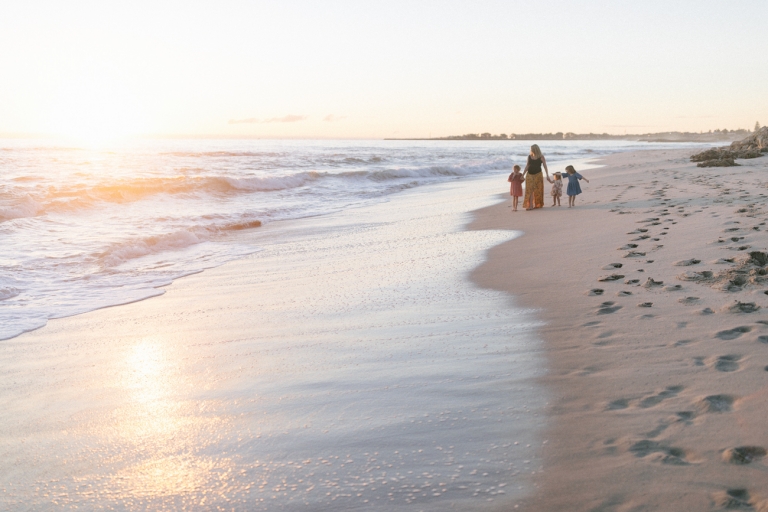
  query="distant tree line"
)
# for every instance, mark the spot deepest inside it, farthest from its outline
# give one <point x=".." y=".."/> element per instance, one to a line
<point x="595" y="136"/>
<point x="531" y="136"/>
<point x="710" y="136"/>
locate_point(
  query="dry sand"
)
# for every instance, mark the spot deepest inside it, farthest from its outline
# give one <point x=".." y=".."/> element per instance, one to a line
<point x="659" y="376"/>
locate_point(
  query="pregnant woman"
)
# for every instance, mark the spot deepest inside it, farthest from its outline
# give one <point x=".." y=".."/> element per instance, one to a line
<point x="534" y="181"/>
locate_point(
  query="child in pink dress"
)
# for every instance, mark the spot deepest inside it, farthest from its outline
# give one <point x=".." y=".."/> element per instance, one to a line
<point x="516" y="186"/>
<point x="557" y="189"/>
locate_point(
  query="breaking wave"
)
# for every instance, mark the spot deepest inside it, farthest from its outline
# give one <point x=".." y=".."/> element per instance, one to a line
<point x="81" y="195"/>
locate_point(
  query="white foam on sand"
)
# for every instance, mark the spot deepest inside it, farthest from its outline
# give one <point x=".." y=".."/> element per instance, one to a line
<point x="350" y="365"/>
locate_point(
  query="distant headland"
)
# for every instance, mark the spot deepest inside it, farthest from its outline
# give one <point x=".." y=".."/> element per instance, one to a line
<point x="710" y="136"/>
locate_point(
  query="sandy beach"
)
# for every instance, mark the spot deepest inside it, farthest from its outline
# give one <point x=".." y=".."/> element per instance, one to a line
<point x="261" y="257"/>
<point x="655" y="333"/>
<point x="611" y="357"/>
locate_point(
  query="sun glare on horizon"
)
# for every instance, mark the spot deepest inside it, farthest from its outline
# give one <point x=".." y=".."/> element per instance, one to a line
<point x="95" y="113"/>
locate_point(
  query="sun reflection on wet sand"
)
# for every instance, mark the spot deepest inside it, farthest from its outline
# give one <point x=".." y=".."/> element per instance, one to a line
<point x="159" y="432"/>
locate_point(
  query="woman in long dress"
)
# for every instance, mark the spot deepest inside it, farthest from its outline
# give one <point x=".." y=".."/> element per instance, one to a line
<point x="534" y="181"/>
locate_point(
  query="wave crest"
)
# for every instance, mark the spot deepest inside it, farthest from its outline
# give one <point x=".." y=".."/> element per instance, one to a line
<point x="24" y="207"/>
<point x="82" y="196"/>
<point x="121" y="252"/>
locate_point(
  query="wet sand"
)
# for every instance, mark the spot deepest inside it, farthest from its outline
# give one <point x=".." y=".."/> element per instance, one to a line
<point x="349" y="365"/>
<point x="655" y="331"/>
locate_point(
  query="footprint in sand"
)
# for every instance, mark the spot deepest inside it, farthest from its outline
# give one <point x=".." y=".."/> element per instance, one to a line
<point x="732" y="334"/>
<point x="645" y="305"/>
<point x="612" y="277"/>
<point x="702" y="276"/>
<point x="737" y="499"/>
<point x="744" y="454"/>
<point x="632" y="281"/>
<point x="740" y="307"/>
<point x="673" y="288"/>
<point x="716" y="403"/>
<point x="647" y="401"/>
<point x="685" y="417"/>
<point x="652" y="283"/>
<point x="607" y="308"/>
<point x="728" y="363"/>
<point x="623" y="293"/>
<point x="595" y="291"/>
<point x="763" y="339"/>
<point x="759" y="258"/>
<point x="621" y="403"/>
<point x="627" y="247"/>
<point x="662" y="453"/>
<point x="687" y="263"/>
<point x="688" y="300"/>
<point x="656" y="399"/>
<point x="612" y="266"/>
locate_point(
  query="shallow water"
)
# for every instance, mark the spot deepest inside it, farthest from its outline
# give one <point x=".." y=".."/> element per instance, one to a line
<point x="361" y="371"/>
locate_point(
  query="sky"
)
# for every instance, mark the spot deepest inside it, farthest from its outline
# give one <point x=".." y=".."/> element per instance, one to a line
<point x="375" y="69"/>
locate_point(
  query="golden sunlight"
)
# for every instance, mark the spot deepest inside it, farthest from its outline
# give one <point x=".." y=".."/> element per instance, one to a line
<point x="159" y="434"/>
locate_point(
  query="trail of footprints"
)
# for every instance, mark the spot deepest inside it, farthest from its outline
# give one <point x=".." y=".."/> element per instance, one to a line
<point x="739" y="273"/>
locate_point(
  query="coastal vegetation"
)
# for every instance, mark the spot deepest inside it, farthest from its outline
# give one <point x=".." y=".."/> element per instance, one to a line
<point x="709" y="136"/>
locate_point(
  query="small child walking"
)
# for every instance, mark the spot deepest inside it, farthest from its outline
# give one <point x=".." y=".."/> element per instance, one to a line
<point x="516" y="186"/>
<point x="574" y="188"/>
<point x="557" y="189"/>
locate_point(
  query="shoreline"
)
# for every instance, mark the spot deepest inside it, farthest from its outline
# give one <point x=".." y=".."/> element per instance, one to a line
<point x="349" y="364"/>
<point x="658" y="386"/>
<point x="63" y="259"/>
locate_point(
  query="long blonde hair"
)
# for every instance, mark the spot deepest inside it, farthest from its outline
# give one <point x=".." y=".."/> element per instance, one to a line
<point x="536" y="152"/>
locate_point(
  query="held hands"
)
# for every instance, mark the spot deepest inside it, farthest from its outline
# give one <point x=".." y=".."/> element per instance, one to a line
<point x="550" y="179"/>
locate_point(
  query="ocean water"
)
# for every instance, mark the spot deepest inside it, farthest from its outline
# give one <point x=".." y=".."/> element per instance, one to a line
<point x="83" y="228"/>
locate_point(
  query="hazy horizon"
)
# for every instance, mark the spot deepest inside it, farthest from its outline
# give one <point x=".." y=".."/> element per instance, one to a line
<point x="343" y="70"/>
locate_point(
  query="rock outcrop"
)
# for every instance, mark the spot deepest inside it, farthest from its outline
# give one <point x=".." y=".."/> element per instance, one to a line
<point x="751" y="147"/>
